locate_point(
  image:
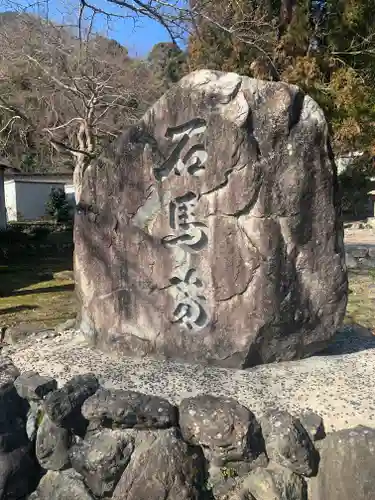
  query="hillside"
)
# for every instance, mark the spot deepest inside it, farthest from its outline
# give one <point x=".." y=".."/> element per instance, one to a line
<point x="47" y="77"/>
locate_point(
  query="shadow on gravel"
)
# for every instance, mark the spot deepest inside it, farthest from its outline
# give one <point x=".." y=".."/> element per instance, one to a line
<point x="350" y="339"/>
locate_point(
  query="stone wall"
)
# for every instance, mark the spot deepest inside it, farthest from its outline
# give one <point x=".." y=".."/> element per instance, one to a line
<point x="83" y="441"/>
<point x="360" y="256"/>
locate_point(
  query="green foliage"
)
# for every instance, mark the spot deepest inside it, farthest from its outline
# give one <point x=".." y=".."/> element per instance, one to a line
<point x="58" y="206"/>
<point x="228" y="472"/>
<point x="354" y="185"/>
<point x="29" y="163"/>
<point x="39" y="416"/>
<point x="168" y="63"/>
<point x="325" y="47"/>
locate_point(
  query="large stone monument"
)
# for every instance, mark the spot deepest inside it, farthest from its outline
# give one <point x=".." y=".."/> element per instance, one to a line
<point x="209" y="232"/>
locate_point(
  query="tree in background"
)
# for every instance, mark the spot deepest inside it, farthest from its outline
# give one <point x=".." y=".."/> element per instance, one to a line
<point x="58" y="207"/>
<point x="74" y="95"/>
<point x="167" y="62"/>
<point x="327" y="47"/>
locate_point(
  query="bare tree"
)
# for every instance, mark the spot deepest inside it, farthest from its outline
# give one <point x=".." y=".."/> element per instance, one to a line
<point x="85" y="90"/>
<point x="89" y="90"/>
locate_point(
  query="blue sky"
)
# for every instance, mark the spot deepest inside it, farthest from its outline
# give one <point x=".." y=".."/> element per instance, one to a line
<point x="138" y="39"/>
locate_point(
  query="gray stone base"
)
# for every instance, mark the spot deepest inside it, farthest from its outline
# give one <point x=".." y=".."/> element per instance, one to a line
<point x="360" y="256"/>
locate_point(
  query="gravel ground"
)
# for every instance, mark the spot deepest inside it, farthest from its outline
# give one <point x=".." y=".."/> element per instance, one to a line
<point x="360" y="237"/>
<point x="337" y="384"/>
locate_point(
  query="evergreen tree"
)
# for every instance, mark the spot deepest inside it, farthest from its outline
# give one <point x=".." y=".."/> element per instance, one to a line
<point x="327" y="47"/>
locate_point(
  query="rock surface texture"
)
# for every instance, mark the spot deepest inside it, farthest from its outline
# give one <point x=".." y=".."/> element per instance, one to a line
<point x="346" y="469"/>
<point x="212" y="449"/>
<point x="209" y="231"/>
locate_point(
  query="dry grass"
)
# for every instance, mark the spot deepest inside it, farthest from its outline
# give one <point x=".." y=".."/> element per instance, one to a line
<point x="361" y="304"/>
<point x="41" y="293"/>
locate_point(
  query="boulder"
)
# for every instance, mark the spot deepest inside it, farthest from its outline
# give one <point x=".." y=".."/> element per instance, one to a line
<point x="209" y="232"/>
<point x="22" y="331"/>
<point x="347" y="466"/>
<point x="163" y="466"/>
<point x="288" y="443"/>
<point x="19" y="473"/>
<point x="63" y="406"/>
<point x="272" y="483"/>
<point x="13" y="409"/>
<point x="313" y="424"/>
<point x="230" y="431"/>
<point x="101" y="459"/>
<point x="13" y="433"/>
<point x="62" y="485"/>
<point x="52" y="445"/>
<point x="32" y="386"/>
<point x="8" y="373"/>
<point x="129" y="409"/>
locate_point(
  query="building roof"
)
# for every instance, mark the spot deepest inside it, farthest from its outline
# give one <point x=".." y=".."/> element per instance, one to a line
<point x="18" y="176"/>
<point x="42" y="174"/>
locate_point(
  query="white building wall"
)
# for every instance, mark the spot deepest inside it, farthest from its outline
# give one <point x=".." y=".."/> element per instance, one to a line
<point x="343" y="162"/>
<point x="32" y="198"/>
<point x="3" y="216"/>
<point x="10" y="200"/>
<point x="28" y="200"/>
<point x="70" y="194"/>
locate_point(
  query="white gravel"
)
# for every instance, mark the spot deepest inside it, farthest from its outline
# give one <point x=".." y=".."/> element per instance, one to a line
<point x="338" y="385"/>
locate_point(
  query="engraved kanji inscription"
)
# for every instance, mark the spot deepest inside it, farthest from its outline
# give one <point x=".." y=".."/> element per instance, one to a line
<point x="193" y="161"/>
<point x="190" y="309"/>
<point x="189" y="233"/>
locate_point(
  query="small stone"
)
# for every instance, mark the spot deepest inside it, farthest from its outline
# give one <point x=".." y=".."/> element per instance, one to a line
<point x="22" y="331"/>
<point x="52" y="445"/>
<point x="351" y="262"/>
<point x="66" y="326"/>
<point x="288" y="443"/>
<point x="34" y="496"/>
<point x="101" y="459"/>
<point x="64" y="405"/>
<point x="229" y="430"/>
<point x="32" y="386"/>
<point x="129" y="409"/>
<point x="358" y="251"/>
<point x="367" y="263"/>
<point x="62" y="485"/>
<point x="314" y="425"/>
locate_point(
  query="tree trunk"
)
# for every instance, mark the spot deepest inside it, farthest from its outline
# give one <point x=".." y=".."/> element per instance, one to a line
<point x="286" y="15"/>
<point x="82" y="162"/>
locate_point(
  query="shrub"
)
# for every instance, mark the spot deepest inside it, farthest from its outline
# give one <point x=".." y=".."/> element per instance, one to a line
<point x="58" y="206"/>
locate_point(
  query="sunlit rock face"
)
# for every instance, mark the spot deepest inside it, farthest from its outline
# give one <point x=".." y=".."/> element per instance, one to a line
<point x="209" y="231"/>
